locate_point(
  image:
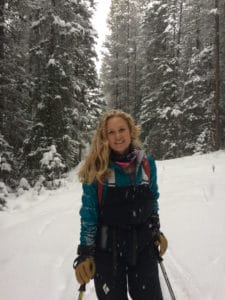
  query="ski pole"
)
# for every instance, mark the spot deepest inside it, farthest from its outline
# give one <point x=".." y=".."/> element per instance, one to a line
<point x="162" y="266"/>
<point x="81" y="291"/>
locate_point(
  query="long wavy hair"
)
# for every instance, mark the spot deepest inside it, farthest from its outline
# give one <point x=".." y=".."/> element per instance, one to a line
<point x="95" y="166"/>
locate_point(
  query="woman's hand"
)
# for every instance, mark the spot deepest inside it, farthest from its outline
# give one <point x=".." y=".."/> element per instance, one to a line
<point x="162" y="244"/>
<point x="84" y="264"/>
<point x="85" y="270"/>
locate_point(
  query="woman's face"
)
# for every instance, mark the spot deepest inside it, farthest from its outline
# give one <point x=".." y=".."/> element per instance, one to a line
<point x="118" y="134"/>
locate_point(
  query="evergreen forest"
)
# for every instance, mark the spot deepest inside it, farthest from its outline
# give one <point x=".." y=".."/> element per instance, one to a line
<point x="163" y="62"/>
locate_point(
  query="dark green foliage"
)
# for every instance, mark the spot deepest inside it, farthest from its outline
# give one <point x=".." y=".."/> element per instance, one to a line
<point x="160" y="108"/>
<point x="64" y="76"/>
<point x="197" y="104"/>
<point x="7" y="170"/>
<point x="48" y="82"/>
<point x="175" y="48"/>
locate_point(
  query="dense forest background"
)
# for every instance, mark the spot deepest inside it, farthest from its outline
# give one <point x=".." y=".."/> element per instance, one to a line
<point x="163" y="62"/>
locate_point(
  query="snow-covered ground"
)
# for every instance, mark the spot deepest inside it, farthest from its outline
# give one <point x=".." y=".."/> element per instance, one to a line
<point x="39" y="235"/>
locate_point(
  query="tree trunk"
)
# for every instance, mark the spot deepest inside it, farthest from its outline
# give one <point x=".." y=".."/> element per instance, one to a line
<point x="217" y="78"/>
<point x="198" y="42"/>
<point x="127" y="91"/>
<point x="2" y="5"/>
<point x="179" y="28"/>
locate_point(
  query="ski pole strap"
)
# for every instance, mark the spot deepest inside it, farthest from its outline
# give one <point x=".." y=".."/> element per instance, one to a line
<point x="81" y="291"/>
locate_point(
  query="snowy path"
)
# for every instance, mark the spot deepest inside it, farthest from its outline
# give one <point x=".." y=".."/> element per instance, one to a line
<point x="38" y="246"/>
<point x="39" y="235"/>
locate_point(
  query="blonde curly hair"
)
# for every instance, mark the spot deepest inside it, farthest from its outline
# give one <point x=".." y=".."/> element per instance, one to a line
<point x="95" y="166"/>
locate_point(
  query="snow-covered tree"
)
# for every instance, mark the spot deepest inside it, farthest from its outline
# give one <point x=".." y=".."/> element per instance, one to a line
<point x="14" y="87"/>
<point x="53" y="167"/>
<point x="198" y="80"/>
<point x="222" y="70"/>
<point x="6" y="160"/>
<point x="63" y="75"/>
<point x="197" y="103"/>
<point x="159" y="114"/>
<point x="119" y="72"/>
<point x="7" y="170"/>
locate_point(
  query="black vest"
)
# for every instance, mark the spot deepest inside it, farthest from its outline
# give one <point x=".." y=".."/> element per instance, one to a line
<point x="125" y="226"/>
<point x="127" y="205"/>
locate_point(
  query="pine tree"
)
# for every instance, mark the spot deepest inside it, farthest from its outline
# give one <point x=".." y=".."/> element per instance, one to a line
<point x="7" y="170"/>
<point x="119" y="72"/>
<point x="14" y="86"/>
<point x="63" y="72"/>
<point x="217" y="100"/>
<point x="160" y="106"/>
<point x="7" y="163"/>
<point x="14" y="91"/>
<point x="198" y="93"/>
<point x="221" y="11"/>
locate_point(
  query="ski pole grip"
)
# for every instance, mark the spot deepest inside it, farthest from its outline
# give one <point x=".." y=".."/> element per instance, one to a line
<point x="159" y="258"/>
<point x="81" y="291"/>
<point x="82" y="288"/>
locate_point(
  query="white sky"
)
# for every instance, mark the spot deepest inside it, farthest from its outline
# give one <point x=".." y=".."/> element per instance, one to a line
<point x="99" y="23"/>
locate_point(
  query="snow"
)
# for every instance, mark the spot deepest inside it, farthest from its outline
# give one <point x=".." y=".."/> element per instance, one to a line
<point x="3" y="190"/>
<point x="152" y="4"/>
<point x="51" y="61"/>
<point x="24" y="184"/>
<point x="214" y="11"/>
<point x="163" y="112"/>
<point x="5" y="166"/>
<point x="37" y="23"/>
<point x="176" y="112"/>
<point x="60" y="22"/>
<point x="40" y="232"/>
<point x="48" y="156"/>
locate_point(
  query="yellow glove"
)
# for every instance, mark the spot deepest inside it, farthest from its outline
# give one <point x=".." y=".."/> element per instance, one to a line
<point x="84" y="264"/>
<point x="85" y="270"/>
<point x="162" y="243"/>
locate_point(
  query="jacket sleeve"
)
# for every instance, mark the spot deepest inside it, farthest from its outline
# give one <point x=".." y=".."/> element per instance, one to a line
<point x="89" y="214"/>
<point x="154" y="184"/>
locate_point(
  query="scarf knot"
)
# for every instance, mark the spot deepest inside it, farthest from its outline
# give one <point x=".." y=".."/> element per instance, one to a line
<point x="126" y="159"/>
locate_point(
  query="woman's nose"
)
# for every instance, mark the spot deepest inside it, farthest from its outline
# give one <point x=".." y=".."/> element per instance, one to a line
<point x="117" y="135"/>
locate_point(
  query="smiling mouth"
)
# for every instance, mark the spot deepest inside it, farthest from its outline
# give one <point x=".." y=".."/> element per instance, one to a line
<point x="118" y="143"/>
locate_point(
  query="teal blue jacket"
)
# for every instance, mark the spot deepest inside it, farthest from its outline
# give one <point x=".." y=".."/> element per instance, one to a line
<point x="89" y="211"/>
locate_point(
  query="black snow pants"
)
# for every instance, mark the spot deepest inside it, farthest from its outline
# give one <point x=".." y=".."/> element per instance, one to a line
<point x="141" y="280"/>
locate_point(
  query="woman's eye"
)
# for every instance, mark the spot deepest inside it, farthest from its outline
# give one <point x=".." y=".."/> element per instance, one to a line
<point x="113" y="132"/>
<point x="110" y="132"/>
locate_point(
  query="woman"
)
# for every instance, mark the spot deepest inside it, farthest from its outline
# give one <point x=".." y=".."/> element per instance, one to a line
<point x="119" y="215"/>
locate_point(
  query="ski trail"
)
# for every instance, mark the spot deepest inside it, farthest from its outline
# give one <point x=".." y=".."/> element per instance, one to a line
<point x="45" y="226"/>
<point x="182" y="281"/>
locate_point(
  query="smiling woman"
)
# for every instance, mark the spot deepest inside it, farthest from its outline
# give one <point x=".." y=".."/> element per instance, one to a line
<point x="120" y="228"/>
